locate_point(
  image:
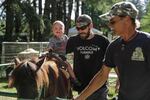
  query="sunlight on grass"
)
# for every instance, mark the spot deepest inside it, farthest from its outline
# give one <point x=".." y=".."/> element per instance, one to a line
<point x="4" y="86"/>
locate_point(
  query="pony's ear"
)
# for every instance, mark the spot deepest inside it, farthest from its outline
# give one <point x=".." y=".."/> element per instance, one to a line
<point x="17" y="61"/>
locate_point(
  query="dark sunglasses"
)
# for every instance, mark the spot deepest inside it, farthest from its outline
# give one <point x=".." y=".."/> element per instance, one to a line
<point x="82" y="28"/>
<point x="112" y="22"/>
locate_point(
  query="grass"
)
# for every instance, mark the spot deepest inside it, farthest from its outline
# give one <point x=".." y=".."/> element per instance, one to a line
<point x="11" y="92"/>
<point x="4" y="90"/>
<point x="111" y="87"/>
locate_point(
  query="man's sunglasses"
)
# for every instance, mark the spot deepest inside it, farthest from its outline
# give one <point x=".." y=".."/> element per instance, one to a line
<point x="112" y="22"/>
<point x="82" y="28"/>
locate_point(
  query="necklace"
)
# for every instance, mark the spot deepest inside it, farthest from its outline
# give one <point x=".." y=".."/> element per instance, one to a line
<point x="123" y="44"/>
<point x="131" y="37"/>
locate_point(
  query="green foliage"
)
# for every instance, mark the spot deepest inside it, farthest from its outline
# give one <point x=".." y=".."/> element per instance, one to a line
<point x="101" y="5"/>
<point x="33" y="23"/>
<point x="95" y="8"/>
<point x="145" y="21"/>
<point x="2" y="27"/>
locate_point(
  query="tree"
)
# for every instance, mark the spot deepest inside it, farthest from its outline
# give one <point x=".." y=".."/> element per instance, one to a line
<point x="145" y="21"/>
<point x="95" y="8"/>
<point x="141" y="6"/>
<point x="9" y="20"/>
<point x="34" y="18"/>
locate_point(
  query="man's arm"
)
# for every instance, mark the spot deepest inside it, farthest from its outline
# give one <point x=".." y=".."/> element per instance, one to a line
<point x="99" y="79"/>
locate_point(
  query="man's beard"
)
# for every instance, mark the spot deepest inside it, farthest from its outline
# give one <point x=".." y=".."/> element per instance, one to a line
<point x="84" y="35"/>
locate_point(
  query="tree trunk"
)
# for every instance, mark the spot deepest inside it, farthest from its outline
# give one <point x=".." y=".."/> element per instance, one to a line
<point x="77" y="9"/>
<point x="9" y="21"/>
<point x="17" y="24"/>
<point x="68" y="22"/>
<point x="47" y="18"/>
<point x="40" y="7"/>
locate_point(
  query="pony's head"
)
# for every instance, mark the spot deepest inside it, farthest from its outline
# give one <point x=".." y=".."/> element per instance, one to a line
<point x="24" y="78"/>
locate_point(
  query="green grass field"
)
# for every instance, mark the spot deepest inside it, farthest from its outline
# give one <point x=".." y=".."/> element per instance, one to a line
<point x="4" y="87"/>
<point x="10" y="93"/>
<point x="5" y="92"/>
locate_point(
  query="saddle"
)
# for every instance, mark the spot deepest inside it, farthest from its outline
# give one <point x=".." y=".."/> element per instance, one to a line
<point x="59" y="59"/>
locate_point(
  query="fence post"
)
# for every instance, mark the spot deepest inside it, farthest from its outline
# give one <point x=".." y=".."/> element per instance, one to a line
<point x="3" y="53"/>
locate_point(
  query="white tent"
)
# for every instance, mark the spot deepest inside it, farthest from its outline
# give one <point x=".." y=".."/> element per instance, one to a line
<point x="73" y="31"/>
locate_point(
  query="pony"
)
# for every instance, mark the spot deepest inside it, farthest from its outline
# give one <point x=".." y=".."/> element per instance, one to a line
<point x="24" y="78"/>
<point x="43" y="79"/>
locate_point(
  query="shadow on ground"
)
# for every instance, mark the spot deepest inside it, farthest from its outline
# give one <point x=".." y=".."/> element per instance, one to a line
<point x="8" y="94"/>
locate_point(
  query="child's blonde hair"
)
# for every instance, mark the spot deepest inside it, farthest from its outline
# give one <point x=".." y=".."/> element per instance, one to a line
<point x="59" y="22"/>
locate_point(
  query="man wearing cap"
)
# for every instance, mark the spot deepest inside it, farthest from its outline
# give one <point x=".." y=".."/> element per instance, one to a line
<point x="88" y="50"/>
<point x="129" y="54"/>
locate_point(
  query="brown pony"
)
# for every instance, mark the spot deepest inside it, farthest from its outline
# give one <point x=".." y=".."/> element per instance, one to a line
<point x="41" y="80"/>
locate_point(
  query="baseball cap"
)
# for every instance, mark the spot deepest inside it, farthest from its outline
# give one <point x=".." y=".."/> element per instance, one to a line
<point x="83" y="20"/>
<point x="122" y="9"/>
